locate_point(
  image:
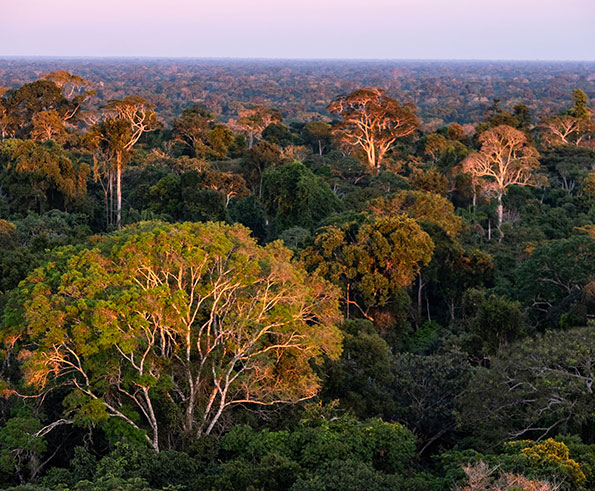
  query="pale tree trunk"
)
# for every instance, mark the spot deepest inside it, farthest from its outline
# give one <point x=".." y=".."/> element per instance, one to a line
<point x="500" y="210"/>
<point x="111" y="197"/>
<point x="119" y="192"/>
<point x="152" y="420"/>
<point x="420" y="286"/>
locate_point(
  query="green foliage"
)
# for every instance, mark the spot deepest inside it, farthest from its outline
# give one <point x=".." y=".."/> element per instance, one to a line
<point x="555" y="277"/>
<point x="41" y="177"/>
<point x="387" y="447"/>
<point x="162" y="336"/>
<point x="20" y="449"/>
<point x="492" y="322"/>
<point x="533" y="389"/>
<point x="294" y="197"/>
<point x="361" y="377"/>
<point x="142" y="305"/>
<point x="427" y="393"/>
<point x="551" y="460"/>
<point x="371" y="262"/>
<point x="181" y="198"/>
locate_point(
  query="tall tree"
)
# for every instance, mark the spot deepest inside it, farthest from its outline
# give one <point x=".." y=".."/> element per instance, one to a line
<point x="126" y="121"/>
<point x="372" y="262"/>
<point x="171" y="326"/>
<point x="506" y="158"/>
<point x="372" y="122"/>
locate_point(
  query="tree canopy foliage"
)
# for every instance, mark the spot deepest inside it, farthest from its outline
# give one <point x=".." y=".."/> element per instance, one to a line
<point x="296" y="275"/>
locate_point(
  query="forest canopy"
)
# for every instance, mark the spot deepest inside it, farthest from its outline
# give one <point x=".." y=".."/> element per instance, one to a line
<point x="297" y="275"/>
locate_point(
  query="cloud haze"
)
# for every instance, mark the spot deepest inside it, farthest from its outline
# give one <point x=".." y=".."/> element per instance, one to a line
<point x="399" y="29"/>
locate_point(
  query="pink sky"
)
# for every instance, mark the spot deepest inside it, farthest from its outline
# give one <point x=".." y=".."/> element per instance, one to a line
<point x="463" y="29"/>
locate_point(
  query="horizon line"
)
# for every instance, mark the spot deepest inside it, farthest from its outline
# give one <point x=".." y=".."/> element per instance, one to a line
<point x="263" y="58"/>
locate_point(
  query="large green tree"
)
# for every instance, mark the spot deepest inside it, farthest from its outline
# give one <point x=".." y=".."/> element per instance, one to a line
<point x="371" y="262"/>
<point x="171" y="326"/>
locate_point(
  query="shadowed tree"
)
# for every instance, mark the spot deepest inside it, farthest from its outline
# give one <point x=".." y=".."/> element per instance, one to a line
<point x="318" y="135"/>
<point x="192" y="129"/>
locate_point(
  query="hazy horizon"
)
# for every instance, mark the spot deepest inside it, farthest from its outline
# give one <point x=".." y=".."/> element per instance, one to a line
<point x="394" y="30"/>
<point x="282" y="59"/>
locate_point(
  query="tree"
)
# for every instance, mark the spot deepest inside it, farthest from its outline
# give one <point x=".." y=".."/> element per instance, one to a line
<point x="535" y="388"/>
<point x="557" y="277"/>
<point x="253" y="121"/>
<point x="580" y="110"/>
<point x="372" y="122"/>
<point x="360" y="378"/>
<point x="70" y="84"/>
<point x="372" y="262"/>
<point x="573" y="127"/>
<point x="491" y="321"/>
<point x="48" y="125"/>
<point x="421" y="206"/>
<point x="318" y="135"/>
<point x="294" y="197"/>
<point x="427" y="392"/>
<point x="43" y="176"/>
<point x="256" y="161"/>
<point x="562" y="130"/>
<point x="231" y="185"/>
<point x="172" y="325"/>
<point x="125" y="122"/>
<point x="59" y="93"/>
<point x="192" y="129"/>
<point x="506" y="158"/>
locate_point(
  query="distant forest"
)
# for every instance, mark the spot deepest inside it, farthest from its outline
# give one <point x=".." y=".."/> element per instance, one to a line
<point x="444" y="92"/>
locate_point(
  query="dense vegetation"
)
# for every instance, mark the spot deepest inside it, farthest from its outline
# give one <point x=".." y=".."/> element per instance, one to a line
<point x="281" y="276"/>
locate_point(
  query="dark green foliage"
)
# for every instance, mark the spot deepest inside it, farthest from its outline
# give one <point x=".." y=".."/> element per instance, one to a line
<point x="294" y="197"/>
<point x="249" y="212"/>
<point x="554" y="280"/>
<point x="39" y="177"/>
<point x="279" y="134"/>
<point x="491" y="322"/>
<point x="427" y="393"/>
<point x="361" y="378"/>
<point x="181" y="199"/>
<point x="534" y="389"/>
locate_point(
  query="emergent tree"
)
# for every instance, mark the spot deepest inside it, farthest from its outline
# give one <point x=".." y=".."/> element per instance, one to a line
<point x="372" y="122"/>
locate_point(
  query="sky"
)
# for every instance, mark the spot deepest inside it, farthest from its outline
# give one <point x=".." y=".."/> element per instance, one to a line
<point x="360" y="29"/>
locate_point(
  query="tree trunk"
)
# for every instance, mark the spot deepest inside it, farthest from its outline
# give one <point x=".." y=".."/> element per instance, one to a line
<point x="500" y="210"/>
<point x="420" y="286"/>
<point x="119" y="192"/>
<point x="111" y="197"/>
<point x="152" y="420"/>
